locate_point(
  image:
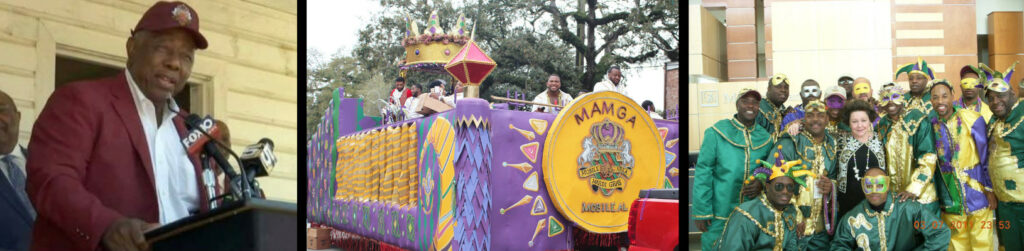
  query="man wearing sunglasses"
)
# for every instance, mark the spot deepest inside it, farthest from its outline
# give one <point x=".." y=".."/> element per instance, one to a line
<point x="1006" y="144"/>
<point x="809" y="90"/>
<point x="881" y="222"/>
<point x="745" y="229"/>
<point x="846" y="82"/>
<point x="816" y="150"/>
<point x="730" y="149"/>
<point x="972" y="87"/>
<point x="909" y="149"/>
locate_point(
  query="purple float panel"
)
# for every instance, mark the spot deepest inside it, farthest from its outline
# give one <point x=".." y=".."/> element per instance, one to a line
<point x="490" y="179"/>
<point x="348" y="115"/>
<point x="514" y="223"/>
<point x="368" y="122"/>
<point x="671" y="141"/>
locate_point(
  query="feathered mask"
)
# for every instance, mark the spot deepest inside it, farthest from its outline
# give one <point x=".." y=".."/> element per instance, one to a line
<point x="892" y="94"/>
<point x="998" y="81"/>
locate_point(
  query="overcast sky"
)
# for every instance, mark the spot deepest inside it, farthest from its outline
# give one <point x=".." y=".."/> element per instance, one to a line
<point x="333" y="26"/>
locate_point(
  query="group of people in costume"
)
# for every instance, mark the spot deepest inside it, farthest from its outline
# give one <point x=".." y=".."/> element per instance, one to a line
<point x="847" y="170"/>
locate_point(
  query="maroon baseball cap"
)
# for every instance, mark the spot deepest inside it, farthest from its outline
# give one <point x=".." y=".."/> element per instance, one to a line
<point x="169" y="15"/>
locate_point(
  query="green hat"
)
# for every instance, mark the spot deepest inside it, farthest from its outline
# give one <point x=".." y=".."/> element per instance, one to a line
<point x="917" y="67"/>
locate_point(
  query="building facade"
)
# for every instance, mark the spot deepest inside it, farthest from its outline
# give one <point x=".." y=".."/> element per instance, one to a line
<point x="247" y="77"/>
<point x="823" y="40"/>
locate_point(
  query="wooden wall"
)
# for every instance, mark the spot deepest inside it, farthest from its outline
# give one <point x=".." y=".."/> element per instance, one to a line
<point x="248" y="75"/>
<point x="707" y="39"/>
<point x="1006" y="42"/>
<point x="941" y="32"/>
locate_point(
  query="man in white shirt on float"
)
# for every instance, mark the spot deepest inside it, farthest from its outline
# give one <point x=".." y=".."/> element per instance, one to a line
<point x="612" y="82"/>
<point x="457" y="95"/>
<point x="412" y="102"/>
<point x="553" y="96"/>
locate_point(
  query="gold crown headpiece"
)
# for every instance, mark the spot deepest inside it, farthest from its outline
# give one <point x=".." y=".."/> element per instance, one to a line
<point x="430" y="49"/>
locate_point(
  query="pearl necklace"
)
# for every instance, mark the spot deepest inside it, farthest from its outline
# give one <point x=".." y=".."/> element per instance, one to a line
<point x="856" y="166"/>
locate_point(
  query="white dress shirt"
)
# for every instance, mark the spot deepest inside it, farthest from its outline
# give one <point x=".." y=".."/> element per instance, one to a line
<point x="19" y="160"/>
<point x="654" y="115"/>
<point x="396" y="95"/>
<point x="543" y="98"/>
<point x="410" y="107"/>
<point x="176" y="190"/>
<point x="607" y="85"/>
<point x="451" y="99"/>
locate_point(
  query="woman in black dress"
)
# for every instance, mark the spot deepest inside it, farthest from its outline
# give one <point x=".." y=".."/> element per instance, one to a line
<point x="858" y="151"/>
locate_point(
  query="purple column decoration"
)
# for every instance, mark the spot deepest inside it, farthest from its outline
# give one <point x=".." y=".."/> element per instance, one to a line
<point x="472" y="170"/>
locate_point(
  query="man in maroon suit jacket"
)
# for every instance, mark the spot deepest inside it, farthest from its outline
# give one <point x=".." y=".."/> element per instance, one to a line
<point x="102" y="166"/>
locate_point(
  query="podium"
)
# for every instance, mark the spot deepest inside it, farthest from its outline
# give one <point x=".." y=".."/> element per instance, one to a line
<point x="246" y="225"/>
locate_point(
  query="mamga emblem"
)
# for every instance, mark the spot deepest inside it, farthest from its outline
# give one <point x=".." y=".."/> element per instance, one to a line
<point x="606" y="160"/>
<point x="599" y="153"/>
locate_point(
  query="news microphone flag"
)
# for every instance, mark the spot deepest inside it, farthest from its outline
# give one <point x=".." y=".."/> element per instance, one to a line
<point x="195" y="139"/>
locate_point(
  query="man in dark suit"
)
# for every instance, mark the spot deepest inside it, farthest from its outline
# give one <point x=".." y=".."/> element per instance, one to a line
<point x="107" y="161"/>
<point x="16" y="212"/>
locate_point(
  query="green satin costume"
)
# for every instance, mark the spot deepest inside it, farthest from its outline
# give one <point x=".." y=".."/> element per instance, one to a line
<point x="898" y="226"/>
<point x="821" y="159"/>
<point x="756" y="225"/>
<point x="728" y="155"/>
<point x="770" y="116"/>
<point x="923" y="104"/>
<point x="1006" y="150"/>
<point x="910" y="155"/>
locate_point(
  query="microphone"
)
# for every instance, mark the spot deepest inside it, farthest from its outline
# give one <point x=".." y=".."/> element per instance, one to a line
<point x="256" y="160"/>
<point x="259" y="158"/>
<point x="199" y="137"/>
<point x="195" y="139"/>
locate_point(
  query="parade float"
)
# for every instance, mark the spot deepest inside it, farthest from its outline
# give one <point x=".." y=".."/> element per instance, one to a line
<point x="479" y="178"/>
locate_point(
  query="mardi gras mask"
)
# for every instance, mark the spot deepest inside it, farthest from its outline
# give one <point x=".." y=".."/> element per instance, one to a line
<point x="875" y="184"/>
<point x="815" y="106"/>
<point x="971" y="83"/>
<point x="861" y="88"/>
<point x="810" y="91"/>
<point x="778" y="79"/>
<point x="834" y="102"/>
<point x="998" y="85"/>
<point x="890" y="95"/>
<point x="846" y="82"/>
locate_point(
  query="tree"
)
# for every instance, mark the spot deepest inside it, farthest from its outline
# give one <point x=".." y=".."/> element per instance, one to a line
<point x="622" y="31"/>
<point x="527" y="39"/>
<point x="341" y="71"/>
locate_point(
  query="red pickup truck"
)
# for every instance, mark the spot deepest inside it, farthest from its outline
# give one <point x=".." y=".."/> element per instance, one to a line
<point x="654" y="220"/>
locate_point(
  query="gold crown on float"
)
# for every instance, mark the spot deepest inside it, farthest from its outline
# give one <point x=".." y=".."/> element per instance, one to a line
<point x="608" y="136"/>
<point x="432" y="48"/>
